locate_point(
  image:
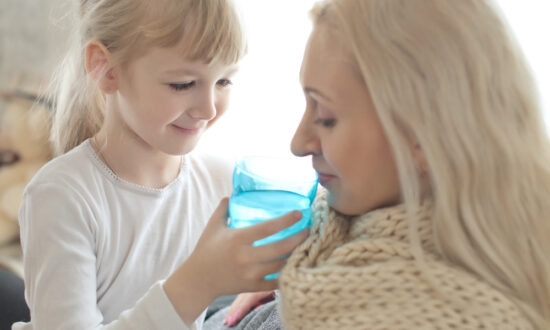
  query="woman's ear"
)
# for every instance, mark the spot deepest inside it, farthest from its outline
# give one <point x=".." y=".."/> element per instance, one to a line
<point x="417" y="154"/>
<point x="419" y="158"/>
<point x="100" y="66"/>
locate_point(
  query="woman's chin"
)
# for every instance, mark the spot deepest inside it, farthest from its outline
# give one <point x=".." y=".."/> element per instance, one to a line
<point x="334" y="203"/>
<point x="346" y="206"/>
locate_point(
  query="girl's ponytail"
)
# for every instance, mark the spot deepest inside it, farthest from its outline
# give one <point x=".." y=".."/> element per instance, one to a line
<point x="79" y="104"/>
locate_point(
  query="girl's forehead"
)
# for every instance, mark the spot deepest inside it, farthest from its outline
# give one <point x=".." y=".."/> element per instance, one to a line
<point x="169" y="61"/>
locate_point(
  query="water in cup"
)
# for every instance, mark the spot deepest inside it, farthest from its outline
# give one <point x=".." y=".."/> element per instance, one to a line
<point x="250" y="208"/>
<point x="266" y="188"/>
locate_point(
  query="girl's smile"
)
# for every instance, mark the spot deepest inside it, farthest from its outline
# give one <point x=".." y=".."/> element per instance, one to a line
<point x="189" y="129"/>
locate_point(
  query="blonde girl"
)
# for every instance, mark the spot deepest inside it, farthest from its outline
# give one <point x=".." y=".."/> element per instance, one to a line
<point x="110" y="229"/>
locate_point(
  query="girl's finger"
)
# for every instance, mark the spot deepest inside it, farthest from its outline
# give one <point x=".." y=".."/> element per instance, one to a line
<point x="270" y="227"/>
<point x="280" y="248"/>
<point x="266" y="285"/>
<point x="272" y="267"/>
<point x="219" y="216"/>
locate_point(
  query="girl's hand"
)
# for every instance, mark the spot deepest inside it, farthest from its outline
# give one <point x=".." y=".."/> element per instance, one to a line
<point x="225" y="262"/>
<point x="244" y="303"/>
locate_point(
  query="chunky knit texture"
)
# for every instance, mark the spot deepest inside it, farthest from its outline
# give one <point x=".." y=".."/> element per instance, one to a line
<point x="359" y="273"/>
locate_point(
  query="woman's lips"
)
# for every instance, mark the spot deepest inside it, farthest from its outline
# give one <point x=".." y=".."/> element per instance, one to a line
<point x="324" y="178"/>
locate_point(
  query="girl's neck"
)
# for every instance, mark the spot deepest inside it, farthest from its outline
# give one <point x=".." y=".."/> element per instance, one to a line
<point x="132" y="160"/>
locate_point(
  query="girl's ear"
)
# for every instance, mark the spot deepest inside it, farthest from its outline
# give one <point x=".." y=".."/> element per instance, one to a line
<point x="100" y="66"/>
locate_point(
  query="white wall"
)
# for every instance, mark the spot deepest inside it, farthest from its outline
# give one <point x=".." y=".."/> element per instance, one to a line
<point x="268" y="102"/>
<point x="531" y="23"/>
<point x="31" y="37"/>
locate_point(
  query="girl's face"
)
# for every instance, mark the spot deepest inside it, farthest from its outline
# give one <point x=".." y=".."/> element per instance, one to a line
<point x="342" y="132"/>
<point x="168" y="102"/>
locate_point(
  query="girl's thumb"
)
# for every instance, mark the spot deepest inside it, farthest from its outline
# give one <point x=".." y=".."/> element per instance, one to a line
<point x="220" y="214"/>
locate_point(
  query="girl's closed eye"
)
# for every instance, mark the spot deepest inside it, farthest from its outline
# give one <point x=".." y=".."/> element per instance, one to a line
<point x="182" y="86"/>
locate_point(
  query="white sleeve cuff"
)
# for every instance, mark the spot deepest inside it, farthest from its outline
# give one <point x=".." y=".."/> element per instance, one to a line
<point x="154" y="311"/>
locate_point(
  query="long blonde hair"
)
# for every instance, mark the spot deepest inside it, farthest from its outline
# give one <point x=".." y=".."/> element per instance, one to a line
<point x="127" y="28"/>
<point x="450" y="73"/>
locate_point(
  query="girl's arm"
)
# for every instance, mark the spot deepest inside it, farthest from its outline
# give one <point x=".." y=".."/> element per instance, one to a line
<point x="58" y="249"/>
<point x="58" y="239"/>
<point x="57" y="233"/>
<point x="225" y="262"/>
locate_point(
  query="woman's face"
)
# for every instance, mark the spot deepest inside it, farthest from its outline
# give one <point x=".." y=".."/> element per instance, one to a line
<point x="342" y="132"/>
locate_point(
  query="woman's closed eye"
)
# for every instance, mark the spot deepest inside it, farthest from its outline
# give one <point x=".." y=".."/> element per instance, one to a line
<point x="323" y="115"/>
<point x="182" y="86"/>
<point x="325" y="122"/>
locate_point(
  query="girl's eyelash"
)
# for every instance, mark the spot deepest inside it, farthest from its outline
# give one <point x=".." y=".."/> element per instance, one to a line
<point x="182" y="86"/>
<point x="328" y="123"/>
<point x="224" y="82"/>
<point x="187" y="85"/>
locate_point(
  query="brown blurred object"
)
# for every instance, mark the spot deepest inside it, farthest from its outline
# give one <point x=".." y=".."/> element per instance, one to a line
<point x="24" y="148"/>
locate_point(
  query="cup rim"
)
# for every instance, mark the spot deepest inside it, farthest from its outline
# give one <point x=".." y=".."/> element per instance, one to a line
<point x="276" y="158"/>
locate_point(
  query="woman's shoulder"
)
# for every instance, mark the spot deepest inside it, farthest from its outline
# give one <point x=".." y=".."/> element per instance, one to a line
<point x="397" y="294"/>
<point x="448" y="295"/>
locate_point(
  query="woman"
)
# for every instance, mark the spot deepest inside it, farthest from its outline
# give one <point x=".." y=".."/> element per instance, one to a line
<point x="423" y="124"/>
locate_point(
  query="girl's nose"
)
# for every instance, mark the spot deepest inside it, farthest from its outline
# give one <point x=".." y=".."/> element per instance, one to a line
<point x="305" y="141"/>
<point x="205" y="108"/>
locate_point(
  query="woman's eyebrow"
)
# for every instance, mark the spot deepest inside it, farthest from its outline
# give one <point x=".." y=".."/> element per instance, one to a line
<point x="311" y="90"/>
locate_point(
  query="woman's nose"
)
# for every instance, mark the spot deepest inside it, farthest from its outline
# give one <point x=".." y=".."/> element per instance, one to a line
<point x="305" y="141"/>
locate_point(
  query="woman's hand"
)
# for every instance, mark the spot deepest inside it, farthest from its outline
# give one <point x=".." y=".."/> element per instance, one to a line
<point x="244" y="303"/>
<point x="225" y="262"/>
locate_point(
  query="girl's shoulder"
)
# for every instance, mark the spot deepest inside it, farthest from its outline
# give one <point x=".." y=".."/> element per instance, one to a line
<point x="70" y="169"/>
<point x="210" y="171"/>
<point x="201" y="161"/>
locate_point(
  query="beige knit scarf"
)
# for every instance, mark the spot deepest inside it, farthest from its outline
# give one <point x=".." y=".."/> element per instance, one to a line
<point x="359" y="273"/>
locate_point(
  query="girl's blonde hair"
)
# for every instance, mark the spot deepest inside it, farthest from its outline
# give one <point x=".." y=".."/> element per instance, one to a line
<point x="450" y="74"/>
<point x="128" y="28"/>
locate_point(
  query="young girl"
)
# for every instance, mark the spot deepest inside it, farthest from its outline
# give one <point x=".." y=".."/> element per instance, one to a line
<point x="110" y="229"/>
<point x="423" y="124"/>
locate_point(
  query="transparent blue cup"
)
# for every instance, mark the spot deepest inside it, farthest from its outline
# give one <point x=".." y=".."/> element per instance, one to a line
<point x="265" y="188"/>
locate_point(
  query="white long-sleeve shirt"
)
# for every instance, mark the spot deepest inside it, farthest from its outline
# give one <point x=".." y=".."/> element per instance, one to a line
<point x="97" y="248"/>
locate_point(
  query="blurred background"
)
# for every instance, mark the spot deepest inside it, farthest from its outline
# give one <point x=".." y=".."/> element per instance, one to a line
<point x="267" y="100"/>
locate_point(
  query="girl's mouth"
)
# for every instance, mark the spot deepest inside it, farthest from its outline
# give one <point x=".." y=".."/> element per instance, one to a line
<point x="188" y="131"/>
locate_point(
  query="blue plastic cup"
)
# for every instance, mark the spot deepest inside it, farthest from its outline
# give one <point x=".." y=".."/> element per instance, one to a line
<point x="265" y="188"/>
